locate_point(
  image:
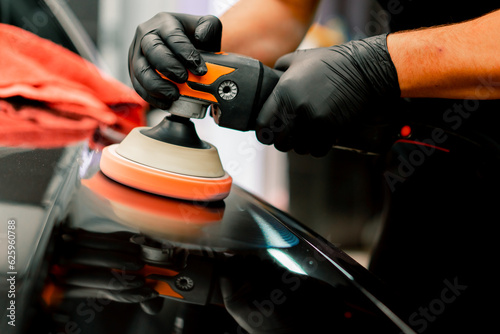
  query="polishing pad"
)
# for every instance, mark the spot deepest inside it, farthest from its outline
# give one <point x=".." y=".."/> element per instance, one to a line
<point x="151" y="165"/>
<point x="202" y="162"/>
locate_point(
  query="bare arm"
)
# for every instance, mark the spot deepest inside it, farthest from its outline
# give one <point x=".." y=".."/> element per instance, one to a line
<point x="266" y="29"/>
<point x="455" y="61"/>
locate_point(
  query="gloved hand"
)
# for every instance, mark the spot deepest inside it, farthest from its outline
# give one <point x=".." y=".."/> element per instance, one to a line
<point x="169" y="43"/>
<point x="323" y="90"/>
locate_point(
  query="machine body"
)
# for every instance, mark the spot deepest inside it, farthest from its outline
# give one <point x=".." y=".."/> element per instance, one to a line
<point x="235" y="86"/>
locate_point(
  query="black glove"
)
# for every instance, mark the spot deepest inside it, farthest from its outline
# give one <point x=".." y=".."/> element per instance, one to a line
<point x="323" y="90"/>
<point x="169" y="43"/>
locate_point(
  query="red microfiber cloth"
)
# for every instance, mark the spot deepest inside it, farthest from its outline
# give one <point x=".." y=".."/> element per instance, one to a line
<point x="51" y="96"/>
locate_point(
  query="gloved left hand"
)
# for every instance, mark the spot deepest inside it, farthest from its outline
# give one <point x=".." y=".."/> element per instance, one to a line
<point x="170" y="43"/>
<point x="323" y="90"/>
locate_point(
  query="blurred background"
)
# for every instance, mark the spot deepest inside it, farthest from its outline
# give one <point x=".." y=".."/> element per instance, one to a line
<point x="340" y="195"/>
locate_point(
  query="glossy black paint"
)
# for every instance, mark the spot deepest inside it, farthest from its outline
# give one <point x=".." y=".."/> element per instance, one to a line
<point x="263" y="258"/>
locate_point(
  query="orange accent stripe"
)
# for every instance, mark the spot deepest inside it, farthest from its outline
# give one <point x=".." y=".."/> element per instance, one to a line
<point x="163" y="288"/>
<point x="163" y="183"/>
<point x="151" y="270"/>
<point x="214" y="72"/>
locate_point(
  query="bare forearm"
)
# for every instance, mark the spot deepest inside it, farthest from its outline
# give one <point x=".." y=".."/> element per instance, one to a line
<point x="454" y="61"/>
<point x="266" y="29"/>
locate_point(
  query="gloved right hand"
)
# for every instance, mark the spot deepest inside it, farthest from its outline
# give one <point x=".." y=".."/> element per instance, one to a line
<point x="324" y="91"/>
<point x="169" y="43"/>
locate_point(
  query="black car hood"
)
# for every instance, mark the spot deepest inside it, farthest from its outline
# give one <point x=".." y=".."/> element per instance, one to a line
<point x="44" y="190"/>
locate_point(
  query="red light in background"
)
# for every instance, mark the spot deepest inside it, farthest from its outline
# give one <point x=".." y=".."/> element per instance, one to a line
<point x="405" y="131"/>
